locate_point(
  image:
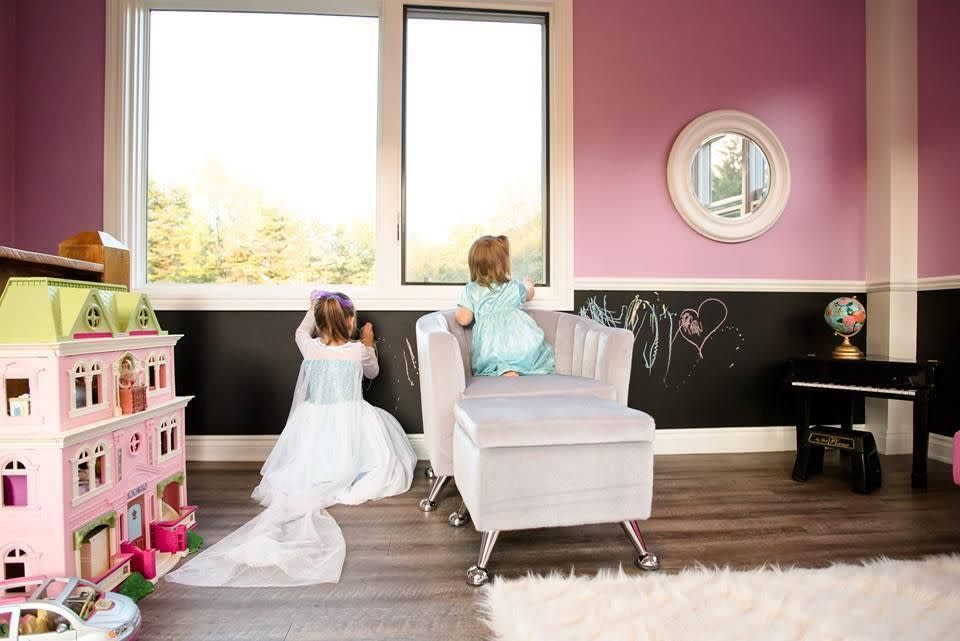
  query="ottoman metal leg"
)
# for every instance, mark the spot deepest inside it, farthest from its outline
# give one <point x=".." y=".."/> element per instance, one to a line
<point x="429" y="473"/>
<point x="477" y="574"/>
<point x="460" y="517"/>
<point x="646" y="560"/>
<point x="429" y="504"/>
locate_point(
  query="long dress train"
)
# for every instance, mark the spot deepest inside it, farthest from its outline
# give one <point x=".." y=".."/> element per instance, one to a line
<point x="335" y="448"/>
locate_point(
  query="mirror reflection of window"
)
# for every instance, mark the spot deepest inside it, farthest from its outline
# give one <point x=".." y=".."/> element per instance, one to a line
<point x="726" y="167"/>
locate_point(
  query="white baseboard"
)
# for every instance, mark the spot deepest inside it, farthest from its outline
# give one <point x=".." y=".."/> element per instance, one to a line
<point x="700" y="440"/>
<point x="254" y="448"/>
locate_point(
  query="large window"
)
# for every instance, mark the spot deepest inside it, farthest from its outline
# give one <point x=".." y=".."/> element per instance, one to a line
<point x="475" y="135"/>
<point x="262" y="148"/>
<point x="257" y="149"/>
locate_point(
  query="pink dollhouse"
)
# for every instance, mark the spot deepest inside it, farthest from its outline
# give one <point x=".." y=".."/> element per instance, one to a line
<point x="92" y="463"/>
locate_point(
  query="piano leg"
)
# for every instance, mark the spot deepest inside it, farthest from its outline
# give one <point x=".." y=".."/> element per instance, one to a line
<point x="801" y="465"/>
<point x="921" y="439"/>
<point x="847" y="426"/>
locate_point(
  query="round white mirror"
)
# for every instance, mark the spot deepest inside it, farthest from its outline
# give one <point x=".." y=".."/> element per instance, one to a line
<point x="728" y="176"/>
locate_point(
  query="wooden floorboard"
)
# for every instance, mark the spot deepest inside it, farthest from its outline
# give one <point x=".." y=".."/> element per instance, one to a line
<point x="403" y="577"/>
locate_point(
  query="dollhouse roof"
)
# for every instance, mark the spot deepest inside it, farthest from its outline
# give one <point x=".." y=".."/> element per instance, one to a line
<point x="52" y="310"/>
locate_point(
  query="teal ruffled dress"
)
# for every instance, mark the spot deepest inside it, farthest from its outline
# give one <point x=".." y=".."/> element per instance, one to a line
<point x="505" y="338"/>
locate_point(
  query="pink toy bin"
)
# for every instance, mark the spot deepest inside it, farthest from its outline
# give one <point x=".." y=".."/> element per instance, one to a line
<point x="956" y="458"/>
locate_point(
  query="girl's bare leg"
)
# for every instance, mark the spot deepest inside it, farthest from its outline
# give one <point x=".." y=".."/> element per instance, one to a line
<point x="510" y="373"/>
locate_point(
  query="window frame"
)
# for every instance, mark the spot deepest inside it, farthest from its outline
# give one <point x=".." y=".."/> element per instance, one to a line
<point x="125" y="155"/>
<point x="87" y="372"/>
<point x="89" y="454"/>
<point x="167" y="434"/>
<point x="520" y="16"/>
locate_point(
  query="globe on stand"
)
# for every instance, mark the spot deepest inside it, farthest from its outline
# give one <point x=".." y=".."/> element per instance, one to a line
<point x="846" y="316"/>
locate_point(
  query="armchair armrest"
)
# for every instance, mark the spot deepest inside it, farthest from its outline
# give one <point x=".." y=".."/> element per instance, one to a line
<point x="442" y="382"/>
<point x="614" y="358"/>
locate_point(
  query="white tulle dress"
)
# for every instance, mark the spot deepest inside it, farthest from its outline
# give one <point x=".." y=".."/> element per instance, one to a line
<point x="335" y="448"/>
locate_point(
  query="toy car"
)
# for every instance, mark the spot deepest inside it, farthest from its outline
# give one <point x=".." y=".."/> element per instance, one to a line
<point x="64" y="609"/>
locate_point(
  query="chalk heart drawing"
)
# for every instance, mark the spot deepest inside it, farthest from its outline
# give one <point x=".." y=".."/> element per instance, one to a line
<point x="696" y="326"/>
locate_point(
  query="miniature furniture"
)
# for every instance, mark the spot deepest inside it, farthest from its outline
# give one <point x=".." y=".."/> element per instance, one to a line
<point x="864" y="461"/>
<point x="92" y="256"/>
<point x="592" y="361"/>
<point x="92" y="480"/>
<point x="898" y="380"/>
<point x="551" y="461"/>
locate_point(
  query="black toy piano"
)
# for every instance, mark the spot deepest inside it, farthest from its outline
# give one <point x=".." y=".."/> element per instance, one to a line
<point x="893" y="379"/>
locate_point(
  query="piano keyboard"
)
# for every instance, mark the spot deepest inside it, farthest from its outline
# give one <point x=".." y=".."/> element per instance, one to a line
<point x="857" y="388"/>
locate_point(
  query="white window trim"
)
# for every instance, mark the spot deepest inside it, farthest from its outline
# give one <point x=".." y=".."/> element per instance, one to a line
<point x="95" y="488"/>
<point x="125" y="179"/>
<point x="169" y="425"/>
<point x="88" y="371"/>
<point x="156" y="360"/>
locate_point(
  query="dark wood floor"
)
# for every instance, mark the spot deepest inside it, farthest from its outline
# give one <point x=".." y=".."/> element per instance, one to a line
<point x="403" y="577"/>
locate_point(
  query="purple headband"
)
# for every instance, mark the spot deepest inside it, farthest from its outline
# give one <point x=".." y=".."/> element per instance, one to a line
<point x="317" y="294"/>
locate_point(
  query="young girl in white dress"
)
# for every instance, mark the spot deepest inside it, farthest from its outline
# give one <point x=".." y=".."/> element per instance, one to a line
<point x="335" y="448"/>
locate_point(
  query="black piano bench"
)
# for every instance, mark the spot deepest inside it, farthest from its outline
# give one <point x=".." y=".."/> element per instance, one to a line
<point x="864" y="460"/>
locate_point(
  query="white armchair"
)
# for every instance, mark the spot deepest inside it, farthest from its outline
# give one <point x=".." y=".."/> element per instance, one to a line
<point x="591" y="360"/>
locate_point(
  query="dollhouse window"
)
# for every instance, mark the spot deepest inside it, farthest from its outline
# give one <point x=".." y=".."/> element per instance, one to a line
<point x="135" y="442"/>
<point x="143" y="318"/>
<point x="13" y="477"/>
<point x="162" y="370"/>
<point x="87" y="385"/>
<point x="91" y="472"/>
<point x="167" y="435"/>
<point x="100" y="465"/>
<point x="15" y="566"/>
<point x="79" y="386"/>
<point x="82" y="466"/>
<point x="94" y="317"/>
<point x="96" y="384"/>
<point x="157" y="371"/>
<point x="18" y="396"/>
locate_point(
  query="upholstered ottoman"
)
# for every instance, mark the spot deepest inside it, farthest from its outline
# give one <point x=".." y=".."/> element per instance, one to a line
<point x="550" y="461"/>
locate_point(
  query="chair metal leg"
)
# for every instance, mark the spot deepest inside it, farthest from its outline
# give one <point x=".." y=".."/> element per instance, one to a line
<point x="646" y="560"/>
<point x="429" y="504"/>
<point x="460" y="517"/>
<point x="429" y="473"/>
<point x="477" y="574"/>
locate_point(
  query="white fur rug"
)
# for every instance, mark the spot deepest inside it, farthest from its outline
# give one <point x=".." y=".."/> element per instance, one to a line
<point x="876" y="601"/>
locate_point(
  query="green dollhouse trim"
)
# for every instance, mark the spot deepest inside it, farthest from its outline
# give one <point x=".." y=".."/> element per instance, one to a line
<point x="129" y="306"/>
<point x="109" y="519"/>
<point x="52" y="310"/>
<point x="162" y="485"/>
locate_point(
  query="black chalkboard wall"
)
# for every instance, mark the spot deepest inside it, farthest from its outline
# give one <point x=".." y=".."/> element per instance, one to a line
<point x="241" y="366"/>
<point x="938" y="339"/>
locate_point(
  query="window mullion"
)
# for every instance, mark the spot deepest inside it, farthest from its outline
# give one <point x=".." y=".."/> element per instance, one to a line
<point x="389" y="137"/>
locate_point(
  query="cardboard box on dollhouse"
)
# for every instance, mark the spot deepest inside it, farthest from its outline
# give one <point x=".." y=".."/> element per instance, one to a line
<point x="92" y="463"/>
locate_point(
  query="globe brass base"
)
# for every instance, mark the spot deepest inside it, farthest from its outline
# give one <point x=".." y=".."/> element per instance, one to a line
<point x="847" y="351"/>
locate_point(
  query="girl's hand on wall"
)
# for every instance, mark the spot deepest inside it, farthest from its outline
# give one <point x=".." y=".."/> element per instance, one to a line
<point x="366" y="335"/>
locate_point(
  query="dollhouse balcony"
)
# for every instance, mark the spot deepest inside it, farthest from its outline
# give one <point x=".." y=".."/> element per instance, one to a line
<point x="171" y="536"/>
<point x="188" y="518"/>
<point x="120" y="569"/>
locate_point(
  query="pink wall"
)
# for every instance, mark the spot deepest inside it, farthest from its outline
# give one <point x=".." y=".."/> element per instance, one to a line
<point x="938" y="103"/>
<point x="8" y="80"/>
<point x="644" y="68"/>
<point x="59" y="120"/>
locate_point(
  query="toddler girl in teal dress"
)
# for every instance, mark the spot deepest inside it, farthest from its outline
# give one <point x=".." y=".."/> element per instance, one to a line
<point x="506" y="341"/>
